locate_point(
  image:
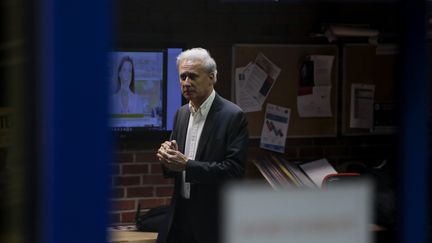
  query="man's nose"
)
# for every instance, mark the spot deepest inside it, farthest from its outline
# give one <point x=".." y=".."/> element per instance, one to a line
<point x="186" y="81"/>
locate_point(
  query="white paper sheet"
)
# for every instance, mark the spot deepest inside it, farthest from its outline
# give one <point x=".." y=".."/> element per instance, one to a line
<point x="314" y="100"/>
<point x="322" y="69"/>
<point x="362" y="100"/>
<point x="317" y="170"/>
<point x="272" y="72"/>
<point x="243" y="99"/>
<point x="275" y="128"/>
<point x="268" y="66"/>
<point x="255" y="79"/>
<point x="317" y="104"/>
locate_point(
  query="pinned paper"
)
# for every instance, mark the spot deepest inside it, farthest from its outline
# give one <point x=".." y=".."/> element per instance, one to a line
<point x="243" y="99"/>
<point x="322" y="69"/>
<point x="275" y="128"/>
<point x="314" y="92"/>
<point x="316" y="104"/>
<point x="254" y="82"/>
<point x="362" y="100"/>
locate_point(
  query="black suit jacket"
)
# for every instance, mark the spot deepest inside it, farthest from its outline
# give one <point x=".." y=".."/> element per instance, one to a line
<point x="220" y="156"/>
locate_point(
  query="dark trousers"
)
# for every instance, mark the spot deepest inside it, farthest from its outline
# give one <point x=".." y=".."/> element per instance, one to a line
<point x="181" y="228"/>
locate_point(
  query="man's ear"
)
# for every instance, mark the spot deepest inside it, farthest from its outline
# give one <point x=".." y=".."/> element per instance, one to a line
<point x="212" y="77"/>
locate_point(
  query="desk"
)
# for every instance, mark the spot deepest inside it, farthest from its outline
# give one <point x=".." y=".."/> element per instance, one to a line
<point x="121" y="236"/>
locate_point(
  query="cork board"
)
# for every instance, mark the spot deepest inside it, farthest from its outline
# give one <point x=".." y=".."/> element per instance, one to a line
<point x="368" y="64"/>
<point x="285" y="90"/>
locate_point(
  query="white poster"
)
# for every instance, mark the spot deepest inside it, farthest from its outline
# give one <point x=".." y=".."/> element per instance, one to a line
<point x="317" y="104"/>
<point x="255" y="78"/>
<point x="243" y="99"/>
<point x="322" y="69"/>
<point x="275" y="128"/>
<point x="362" y="100"/>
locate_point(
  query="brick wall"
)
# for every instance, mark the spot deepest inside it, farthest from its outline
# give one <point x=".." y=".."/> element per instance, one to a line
<point x="137" y="177"/>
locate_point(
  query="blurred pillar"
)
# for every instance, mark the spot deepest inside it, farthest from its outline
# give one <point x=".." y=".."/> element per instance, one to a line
<point x="73" y="44"/>
<point x="414" y="113"/>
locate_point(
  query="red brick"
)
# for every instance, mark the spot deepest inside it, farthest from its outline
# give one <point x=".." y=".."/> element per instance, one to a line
<point x="123" y="157"/>
<point x="128" y="217"/>
<point x="155" y="169"/>
<point x="119" y="205"/>
<point x="117" y="192"/>
<point x="164" y="191"/>
<point x="146" y="157"/>
<point x="135" y="169"/>
<point x="151" y="203"/>
<point x="156" y="180"/>
<point x="140" y="191"/>
<point x="126" y="180"/>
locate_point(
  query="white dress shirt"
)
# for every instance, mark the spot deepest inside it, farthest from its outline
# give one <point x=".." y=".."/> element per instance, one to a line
<point x="197" y="120"/>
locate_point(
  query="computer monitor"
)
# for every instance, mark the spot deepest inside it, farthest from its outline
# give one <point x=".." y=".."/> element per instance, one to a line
<point x="144" y="90"/>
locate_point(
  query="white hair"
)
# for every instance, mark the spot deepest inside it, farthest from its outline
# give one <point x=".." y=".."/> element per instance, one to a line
<point x="200" y="55"/>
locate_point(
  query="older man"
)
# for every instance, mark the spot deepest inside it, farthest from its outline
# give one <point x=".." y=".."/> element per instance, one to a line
<point x="208" y="147"/>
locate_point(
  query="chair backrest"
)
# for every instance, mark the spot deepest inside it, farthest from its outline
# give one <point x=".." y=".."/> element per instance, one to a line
<point x="338" y="178"/>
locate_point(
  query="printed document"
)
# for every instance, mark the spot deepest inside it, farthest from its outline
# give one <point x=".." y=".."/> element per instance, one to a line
<point x="314" y="91"/>
<point x="254" y="82"/>
<point x="362" y="100"/>
<point x="275" y="128"/>
<point x="322" y="69"/>
<point x="243" y="99"/>
<point x="316" y="104"/>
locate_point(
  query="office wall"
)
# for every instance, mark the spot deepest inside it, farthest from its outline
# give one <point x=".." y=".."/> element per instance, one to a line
<point x="136" y="175"/>
<point x="137" y="179"/>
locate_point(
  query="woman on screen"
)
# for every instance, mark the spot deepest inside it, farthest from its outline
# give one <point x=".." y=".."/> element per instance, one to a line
<point x="125" y="101"/>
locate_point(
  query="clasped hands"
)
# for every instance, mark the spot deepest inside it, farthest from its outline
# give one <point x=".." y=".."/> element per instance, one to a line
<point x="170" y="157"/>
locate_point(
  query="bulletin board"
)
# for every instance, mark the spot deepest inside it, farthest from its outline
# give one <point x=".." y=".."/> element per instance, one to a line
<point x="369" y="64"/>
<point x="285" y="90"/>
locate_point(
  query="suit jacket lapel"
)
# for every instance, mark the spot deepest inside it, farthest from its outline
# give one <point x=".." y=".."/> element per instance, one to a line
<point x="183" y="126"/>
<point x="209" y="125"/>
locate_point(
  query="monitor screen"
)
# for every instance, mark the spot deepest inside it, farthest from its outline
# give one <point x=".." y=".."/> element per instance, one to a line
<point x="144" y="89"/>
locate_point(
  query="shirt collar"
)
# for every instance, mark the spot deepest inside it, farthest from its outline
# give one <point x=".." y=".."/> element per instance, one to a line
<point x="205" y="106"/>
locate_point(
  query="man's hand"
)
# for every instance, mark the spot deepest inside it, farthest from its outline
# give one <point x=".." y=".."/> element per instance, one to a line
<point x="170" y="157"/>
